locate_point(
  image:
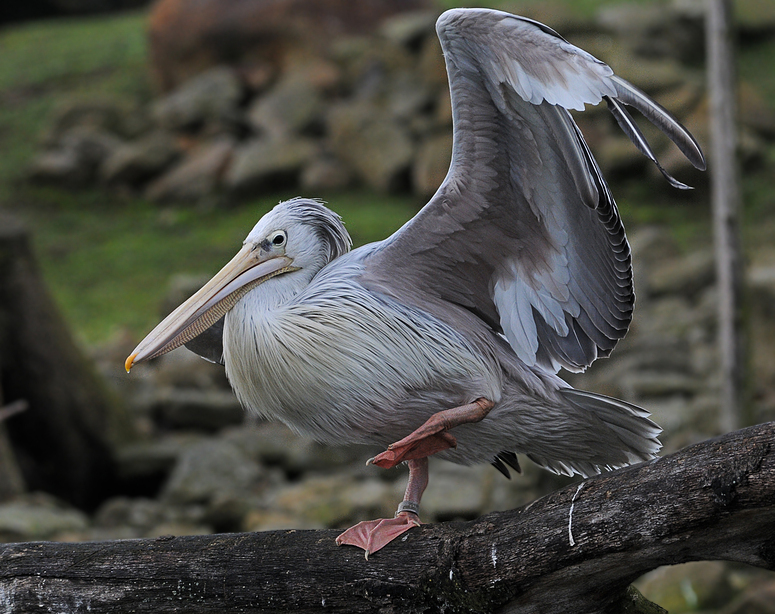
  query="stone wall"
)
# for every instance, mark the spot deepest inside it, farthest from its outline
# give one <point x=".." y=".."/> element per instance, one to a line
<point x="369" y="110"/>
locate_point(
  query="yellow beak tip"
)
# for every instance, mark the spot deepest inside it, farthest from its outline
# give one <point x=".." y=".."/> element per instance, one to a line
<point x="129" y="361"/>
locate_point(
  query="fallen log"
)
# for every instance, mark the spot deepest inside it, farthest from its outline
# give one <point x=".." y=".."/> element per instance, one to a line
<point x="575" y="550"/>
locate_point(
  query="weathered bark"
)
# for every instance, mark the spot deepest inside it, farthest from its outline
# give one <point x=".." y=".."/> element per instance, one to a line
<point x="62" y="442"/>
<point x="576" y="550"/>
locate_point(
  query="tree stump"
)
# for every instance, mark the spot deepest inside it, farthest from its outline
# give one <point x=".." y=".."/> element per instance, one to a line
<point x="63" y="441"/>
<point x="11" y="481"/>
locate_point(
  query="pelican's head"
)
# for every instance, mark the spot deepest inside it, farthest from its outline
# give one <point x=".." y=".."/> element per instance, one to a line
<point x="297" y="235"/>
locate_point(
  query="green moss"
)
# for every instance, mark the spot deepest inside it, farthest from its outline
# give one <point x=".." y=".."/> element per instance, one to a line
<point x="46" y="53"/>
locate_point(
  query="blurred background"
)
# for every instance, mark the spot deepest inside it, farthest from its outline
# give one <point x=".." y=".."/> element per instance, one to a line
<point x="141" y="141"/>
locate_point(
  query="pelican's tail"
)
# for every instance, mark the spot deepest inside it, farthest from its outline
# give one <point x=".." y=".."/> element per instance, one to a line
<point x="602" y="433"/>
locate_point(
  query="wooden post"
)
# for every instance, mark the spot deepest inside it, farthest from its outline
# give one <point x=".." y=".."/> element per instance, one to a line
<point x="725" y="196"/>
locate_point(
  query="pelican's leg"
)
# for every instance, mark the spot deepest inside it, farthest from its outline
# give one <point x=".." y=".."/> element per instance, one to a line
<point x="372" y="535"/>
<point x="433" y="436"/>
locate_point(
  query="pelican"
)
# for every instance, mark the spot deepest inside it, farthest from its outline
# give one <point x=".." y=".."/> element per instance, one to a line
<point x="446" y="338"/>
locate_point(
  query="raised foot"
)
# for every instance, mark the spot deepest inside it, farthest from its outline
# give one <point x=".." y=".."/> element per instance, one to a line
<point x="414" y="446"/>
<point x="373" y="535"/>
<point x="433" y="435"/>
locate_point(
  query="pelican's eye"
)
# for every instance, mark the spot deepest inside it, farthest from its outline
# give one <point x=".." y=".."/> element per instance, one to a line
<point x="279" y="238"/>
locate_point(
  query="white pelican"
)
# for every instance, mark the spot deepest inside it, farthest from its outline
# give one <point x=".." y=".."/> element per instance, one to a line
<point x="446" y="337"/>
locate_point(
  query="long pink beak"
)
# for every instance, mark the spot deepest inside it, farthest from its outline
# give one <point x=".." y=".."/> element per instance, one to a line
<point x="249" y="268"/>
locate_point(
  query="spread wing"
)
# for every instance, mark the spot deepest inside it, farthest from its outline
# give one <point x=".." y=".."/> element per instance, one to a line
<point x="524" y="231"/>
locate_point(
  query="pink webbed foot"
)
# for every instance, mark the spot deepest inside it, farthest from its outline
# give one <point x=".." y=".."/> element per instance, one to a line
<point x="373" y="535"/>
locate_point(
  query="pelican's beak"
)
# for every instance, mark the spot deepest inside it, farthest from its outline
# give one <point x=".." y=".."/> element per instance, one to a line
<point x="249" y="268"/>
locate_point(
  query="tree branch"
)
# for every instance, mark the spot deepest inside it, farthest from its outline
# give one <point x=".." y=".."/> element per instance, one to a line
<point x="576" y="550"/>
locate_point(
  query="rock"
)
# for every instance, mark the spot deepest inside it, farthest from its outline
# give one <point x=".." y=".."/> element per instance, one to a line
<point x="675" y="163"/>
<point x="757" y="599"/>
<point x="211" y="98"/>
<point x="325" y="173"/>
<point x="377" y="148"/>
<point x="686" y="277"/>
<point x="432" y="69"/>
<point x="337" y="500"/>
<point x="689" y="587"/>
<point x="38" y="516"/>
<point x="672" y="414"/>
<point x="267" y="163"/>
<point x="655" y="354"/>
<point x="60" y="167"/>
<point x="409" y="29"/>
<point x="408" y="97"/>
<point x="617" y="157"/>
<point x="274" y="520"/>
<point x="140" y="512"/>
<point x="273" y="444"/>
<point x="670" y="315"/>
<point x="322" y="73"/>
<point x="155" y="457"/>
<point x="659" y="31"/>
<point x="189" y="36"/>
<point x="97" y="115"/>
<point x="151" y="518"/>
<point x="206" y="410"/>
<point x="209" y="469"/>
<point x="184" y="369"/>
<point x="135" y="162"/>
<point x="431" y="164"/>
<point x="683" y="98"/>
<point x="76" y="160"/>
<point x="651" y="244"/>
<point x="292" y="107"/>
<point x="755" y="112"/>
<point x="456" y="492"/>
<point x="641" y="385"/>
<point x="197" y="176"/>
<point x="442" y="117"/>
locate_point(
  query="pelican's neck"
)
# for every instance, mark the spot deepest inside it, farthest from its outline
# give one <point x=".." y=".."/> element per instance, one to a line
<point x="275" y="292"/>
<point x="246" y="344"/>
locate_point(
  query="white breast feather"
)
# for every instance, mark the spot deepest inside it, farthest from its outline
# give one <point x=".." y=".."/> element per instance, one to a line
<point x="328" y="363"/>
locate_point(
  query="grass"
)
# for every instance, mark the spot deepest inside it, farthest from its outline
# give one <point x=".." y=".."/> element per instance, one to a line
<point x="44" y="65"/>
